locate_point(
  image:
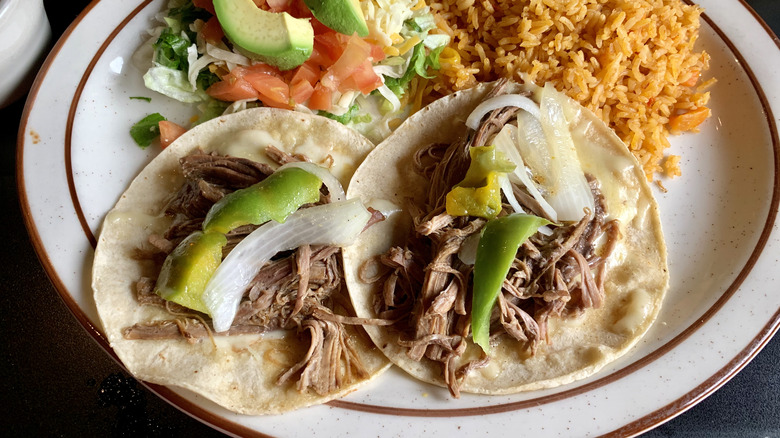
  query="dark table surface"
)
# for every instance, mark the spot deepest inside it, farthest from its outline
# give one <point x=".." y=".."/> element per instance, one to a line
<point x="56" y="381"/>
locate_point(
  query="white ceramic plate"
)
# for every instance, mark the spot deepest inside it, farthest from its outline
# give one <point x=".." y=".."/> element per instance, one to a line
<point x="76" y="158"/>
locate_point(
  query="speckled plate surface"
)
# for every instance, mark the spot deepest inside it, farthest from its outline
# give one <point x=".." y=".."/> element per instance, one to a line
<point x="75" y="158"/>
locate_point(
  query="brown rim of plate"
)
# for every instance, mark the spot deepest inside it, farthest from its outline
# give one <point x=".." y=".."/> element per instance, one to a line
<point x="637" y="426"/>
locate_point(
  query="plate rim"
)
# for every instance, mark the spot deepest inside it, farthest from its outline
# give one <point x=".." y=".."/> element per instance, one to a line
<point x="641" y="424"/>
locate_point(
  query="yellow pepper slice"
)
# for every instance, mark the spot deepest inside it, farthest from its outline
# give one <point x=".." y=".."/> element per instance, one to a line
<point x="479" y="194"/>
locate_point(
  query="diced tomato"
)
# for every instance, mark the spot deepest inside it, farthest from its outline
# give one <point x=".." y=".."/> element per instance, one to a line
<point x="298" y="9"/>
<point x="353" y="56"/>
<point x="301" y="91"/>
<point x="362" y="78"/>
<point x="318" y="27"/>
<point x="329" y="45"/>
<point x="212" y="31"/>
<point x="205" y="4"/>
<point x="259" y="68"/>
<point x="320" y="58"/>
<point x="320" y="98"/>
<point x="338" y="63"/>
<point x="377" y="53"/>
<point x="273" y="91"/>
<point x="231" y="89"/>
<point x="308" y="72"/>
<point x="169" y="132"/>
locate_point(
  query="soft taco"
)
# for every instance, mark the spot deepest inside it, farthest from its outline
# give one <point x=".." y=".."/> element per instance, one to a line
<point x="528" y="253"/>
<point x="196" y="287"/>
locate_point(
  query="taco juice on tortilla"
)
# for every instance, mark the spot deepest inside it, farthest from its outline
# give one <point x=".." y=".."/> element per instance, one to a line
<point x="255" y="315"/>
<point x="479" y="300"/>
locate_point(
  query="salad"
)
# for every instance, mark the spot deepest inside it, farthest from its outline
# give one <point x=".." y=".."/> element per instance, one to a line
<point x="370" y="83"/>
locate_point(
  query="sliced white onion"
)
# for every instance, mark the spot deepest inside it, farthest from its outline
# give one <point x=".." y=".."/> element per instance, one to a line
<point x="568" y="190"/>
<point x="507" y="143"/>
<point x="331" y="182"/>
<point x="506" y="187"/>
<point x="383" y="206"/>
<point x="516" y="100"/>
<point x="336" y="224"/>
<point x="468" y="249"/>
<point x="196" y="64"/>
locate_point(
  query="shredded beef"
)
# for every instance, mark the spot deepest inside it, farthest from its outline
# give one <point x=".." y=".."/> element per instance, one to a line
<point x="425" y="285"/>
<point x="294" y="291"/>
<point x="210" y="177"/>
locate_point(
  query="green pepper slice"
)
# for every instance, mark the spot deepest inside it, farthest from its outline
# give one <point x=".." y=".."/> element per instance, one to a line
<point x="189" y="267"/>
<point x="275" y="197"/>
<point x="498" y="245"/>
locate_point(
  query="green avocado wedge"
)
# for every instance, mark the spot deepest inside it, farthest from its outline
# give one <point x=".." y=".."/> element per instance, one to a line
<point x="274" y="198"/>
<point x="274" y="38"/>
<point x="343" y="16"/>
<point x="189" y="267"/>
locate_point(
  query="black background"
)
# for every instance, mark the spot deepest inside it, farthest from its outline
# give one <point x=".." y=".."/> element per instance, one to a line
<point x="56" y="381"/>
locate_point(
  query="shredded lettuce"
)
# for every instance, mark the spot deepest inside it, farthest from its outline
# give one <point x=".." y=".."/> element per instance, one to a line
<point x="211" y="109"/>
<point x="177" y="61"/>
<point x="170" y="50"/>
<point x="206" y="78"/>
<point x="173" y="83"/>
<point x="418" y="66"/>
<point x="421" y="23"/>
<point x="351" y="116"/>
<point x="436" y="41"/>
<point x="187" y="13"/>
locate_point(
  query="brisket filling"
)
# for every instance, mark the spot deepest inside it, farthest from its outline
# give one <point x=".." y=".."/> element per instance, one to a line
<point x="298" y="290"/>
<point x="426" y="289"/>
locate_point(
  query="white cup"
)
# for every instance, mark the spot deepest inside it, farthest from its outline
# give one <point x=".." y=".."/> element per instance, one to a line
<point x="24" y="37"/>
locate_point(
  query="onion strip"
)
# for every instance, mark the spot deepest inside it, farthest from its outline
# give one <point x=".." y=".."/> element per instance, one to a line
<point x="506" y="142"/>
<point x="504" y="100"/>
<point x="509" y="193"/>
<point x="337" y="224"/>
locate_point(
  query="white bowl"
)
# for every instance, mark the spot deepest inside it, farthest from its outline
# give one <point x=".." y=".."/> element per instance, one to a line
<point x="25" y="33"/>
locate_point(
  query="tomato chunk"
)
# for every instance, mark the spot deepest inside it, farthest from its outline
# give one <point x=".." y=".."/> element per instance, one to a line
<point x="212" y="31"/>
<point x="308" y="71"/>
<point x="354" y="69"/>
<point x="169" y="132"/>
<point x="204" y="4"/>
<point x="321" y="98"/>
<point x="231" y="89"/>
<point x="273" y="91"/>
<point x="329" y="46"/>
<point x="301" y="91"/>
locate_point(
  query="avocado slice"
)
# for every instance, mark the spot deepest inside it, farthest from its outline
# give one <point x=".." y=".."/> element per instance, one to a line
<point x="343" y="16"/>
<point x="271" y="37"/>
<point x="276" y="197"/>
<point x="189" y="267"/>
